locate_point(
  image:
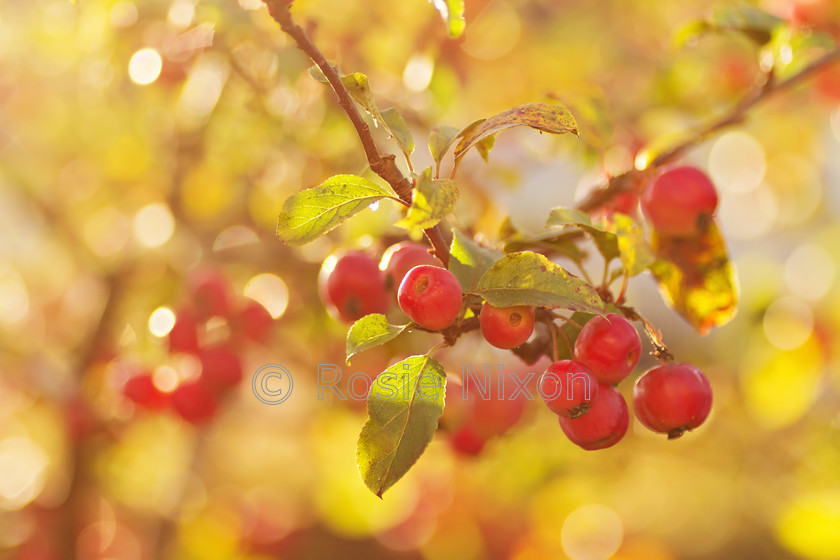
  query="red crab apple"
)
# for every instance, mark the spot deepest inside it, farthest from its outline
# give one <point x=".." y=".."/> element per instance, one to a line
<point x="466" y="441"/>
<point x="568" y="387"/>
<point x="210" y="293"/>
<point x="672" y="398"/>
<point x="430" y="296"/>
<point x="253" y="321"/>
<point x="351" y="286"/>
<point x="141" y="390"/>
<point x="194" y="402"/>
<point x="220" y="367"/>
<point x="184" y="334"/>
<point x="603" y="425"/>
<point x="398" y="259"/>
<point x="506" y="327"/>
<point x="610" y="346"/>
<point x="679" y="201"/>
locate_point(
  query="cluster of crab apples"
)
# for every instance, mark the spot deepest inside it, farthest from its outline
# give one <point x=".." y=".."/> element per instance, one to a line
<point x="670" y="398"/>
<point x="209" y="333"/>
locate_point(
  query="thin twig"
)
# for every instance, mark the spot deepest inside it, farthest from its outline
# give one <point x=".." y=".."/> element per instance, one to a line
<point x="383" y="165"/>
<point x="763" y="90"/>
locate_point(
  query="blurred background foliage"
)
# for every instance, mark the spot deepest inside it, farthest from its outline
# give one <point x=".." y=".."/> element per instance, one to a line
<point x="140" y="141"/>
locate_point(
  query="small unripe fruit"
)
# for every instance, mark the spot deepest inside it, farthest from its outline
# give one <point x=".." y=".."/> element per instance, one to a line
<point x="430" y="296"/>
<point x="506" y="327"/>
<point x="350" y="285"/>
<point x="672" y="398"/>
<point x="194" y="402"/>
<point x="398" y="259"/>
<point x="567" y="387"/>
<point x="610" y="346"/>
<point x="603" y="425"/>
<point x="680" y="202"/>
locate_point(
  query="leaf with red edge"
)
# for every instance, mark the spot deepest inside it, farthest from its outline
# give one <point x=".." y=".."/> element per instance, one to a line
<point x="554" y="119"/>
<point x="696" y="278"/>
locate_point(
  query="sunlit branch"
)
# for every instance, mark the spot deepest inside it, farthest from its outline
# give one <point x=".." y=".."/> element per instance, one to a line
<point x="765" y="89"/>
<point x="383" y="165"/>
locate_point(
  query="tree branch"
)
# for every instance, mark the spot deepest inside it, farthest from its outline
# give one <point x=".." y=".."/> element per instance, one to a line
<point x="629" y="180"/>
<point x="383" y="165"/>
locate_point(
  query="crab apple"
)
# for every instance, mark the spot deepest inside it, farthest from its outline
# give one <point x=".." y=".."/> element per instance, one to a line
<point x="184" y="334"/>
<point x="220" y="367"/>
<point x="506" y="327"/>
<point x="679" y="201"/>
<point x="622" y="203"/>
<point x="496" y="412"/>
<point x="210" y="293"/>
<point x="253" y="321"/>
<point x="672" y="398"/>
<point x="828" y="84"/>
<point x="466" y="441"/>
<point x="568" y="387"/>
<point x="430" y="296"/>
<point x="194" y="402"/>
<point x="603" y="425"/>
<point x="141" y="390"/>
<point x="813" y="13"/>
<point x="350" y="284"/>
<point x="398" y="259"/>
<point x="610" y="346"/>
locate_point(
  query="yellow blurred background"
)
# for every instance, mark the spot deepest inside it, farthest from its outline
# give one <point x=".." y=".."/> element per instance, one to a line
<point x="141" y="141"/>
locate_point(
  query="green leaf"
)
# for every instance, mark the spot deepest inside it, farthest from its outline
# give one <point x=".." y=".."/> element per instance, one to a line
<point x="606" y="241"/>
<point x="592" y="113"/>
<point x="793" y="49"/>
<point x="484" y="146"/>
<point x="696" y="278"/>
<point x="452" y="12"/>
<point x="318" y="75"/>
<point x="431" y="201"/>
<point x="313" y="212"/>
<point x="547" y="242"/>
<point x="396" y="125"/>
<point x="569" y="333"/>
<point x="359" y="88"/>
<point x="540" y="116"/>
<point x="757" y="25"/>
<point x="469" y="261"/>
<point x="567" y="216"/>
<point x="528" y="278"/>
<point x="634" y="252"/>
<point x="440" y="139"/>
<point x="404" y="405"/>
<point x="369" y="331"/>
<point x="690" y="33"/>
